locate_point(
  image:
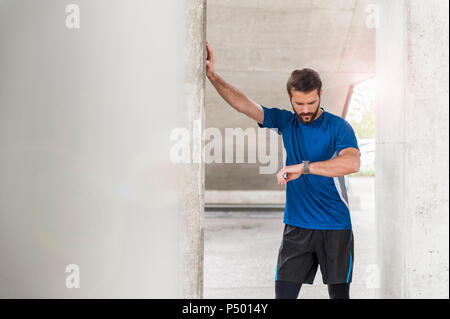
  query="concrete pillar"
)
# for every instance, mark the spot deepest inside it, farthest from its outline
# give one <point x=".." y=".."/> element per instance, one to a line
<point x="412" y="148"/>
<point x="193" y="176"/>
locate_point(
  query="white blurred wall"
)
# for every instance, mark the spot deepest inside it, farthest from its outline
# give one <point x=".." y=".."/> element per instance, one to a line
<point x="412" y="155"/>
<point x="85" y="122"/>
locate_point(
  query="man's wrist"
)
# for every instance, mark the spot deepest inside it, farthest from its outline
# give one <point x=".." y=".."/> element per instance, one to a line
<point x="301" y="168"/>
<point x="212" y="76"/>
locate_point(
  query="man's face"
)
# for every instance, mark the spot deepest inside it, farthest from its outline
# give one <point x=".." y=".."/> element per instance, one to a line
<point x="305" y="105"/>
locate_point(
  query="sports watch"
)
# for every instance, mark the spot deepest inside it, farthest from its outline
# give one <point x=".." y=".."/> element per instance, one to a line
<point x="305" y="167"/>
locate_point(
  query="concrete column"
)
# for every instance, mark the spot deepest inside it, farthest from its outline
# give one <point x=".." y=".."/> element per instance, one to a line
<point x="192" y="177"/>
<point x="412" y="148"/>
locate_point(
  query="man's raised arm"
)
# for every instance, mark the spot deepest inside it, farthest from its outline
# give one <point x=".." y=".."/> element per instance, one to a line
<point x="239" y="101"/>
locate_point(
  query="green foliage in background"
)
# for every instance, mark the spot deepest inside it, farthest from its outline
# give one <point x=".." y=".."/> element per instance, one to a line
<point x="361" y="116"/>
<point x="361" y="110"/>
<point x="365" y="128"/>
<point x="364" y="172"/>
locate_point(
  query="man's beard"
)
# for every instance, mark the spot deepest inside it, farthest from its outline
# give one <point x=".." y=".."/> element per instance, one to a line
<point x="312" y="116"/>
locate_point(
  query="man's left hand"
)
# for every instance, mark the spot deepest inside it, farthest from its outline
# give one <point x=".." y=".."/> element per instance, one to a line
<point x="292" y="171"/>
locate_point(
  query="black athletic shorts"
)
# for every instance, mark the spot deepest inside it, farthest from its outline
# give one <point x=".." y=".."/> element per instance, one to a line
<point x="302" y="250"/>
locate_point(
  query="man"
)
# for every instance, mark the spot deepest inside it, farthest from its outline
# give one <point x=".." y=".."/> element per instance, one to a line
<point x="321" y="149"/>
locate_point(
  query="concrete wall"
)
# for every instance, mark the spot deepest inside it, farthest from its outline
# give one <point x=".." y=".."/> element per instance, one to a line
<point x="412" y="148"/>
<point x="258" y="43"/>
<point x="192" y="177"/>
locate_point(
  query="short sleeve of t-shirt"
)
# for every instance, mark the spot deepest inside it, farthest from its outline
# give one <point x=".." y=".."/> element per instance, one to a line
<point x="345" y="137"/>
<point x="275" y="118"/>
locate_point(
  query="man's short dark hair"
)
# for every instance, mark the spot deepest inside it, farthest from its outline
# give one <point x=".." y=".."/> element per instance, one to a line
<point x="304" y="80"/>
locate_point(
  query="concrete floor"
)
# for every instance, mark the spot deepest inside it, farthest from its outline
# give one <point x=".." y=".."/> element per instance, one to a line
<point x="241" y="251"/>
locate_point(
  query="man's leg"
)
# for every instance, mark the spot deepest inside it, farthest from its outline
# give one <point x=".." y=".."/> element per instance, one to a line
<point x="339" y="291"/>
<point x="296" y="264"/>
<point x="286" y="289"/>
<point x="335" y="254"/>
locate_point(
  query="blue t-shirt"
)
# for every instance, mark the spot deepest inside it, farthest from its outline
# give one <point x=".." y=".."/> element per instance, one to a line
<point x="313" y="201"/>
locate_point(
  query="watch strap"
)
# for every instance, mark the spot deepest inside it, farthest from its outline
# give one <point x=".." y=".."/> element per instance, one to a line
<point x="305" y="167"/>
